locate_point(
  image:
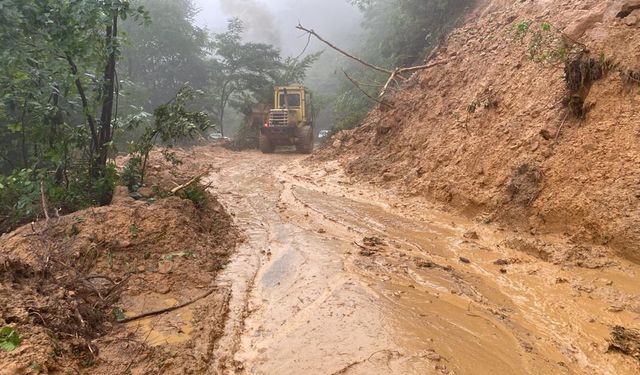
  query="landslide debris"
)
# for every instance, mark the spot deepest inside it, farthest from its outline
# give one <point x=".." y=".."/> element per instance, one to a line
<point x="531" y="122"/>
<point x="63" y="283"/>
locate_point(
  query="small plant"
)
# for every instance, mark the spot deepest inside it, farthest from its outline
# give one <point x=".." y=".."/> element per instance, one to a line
<point x="9" y="339"/>
<point x="196" y="194"/>
<point x="522" y="28"/>
<point x="118" y="314"/>
<point x="134" y="230"/>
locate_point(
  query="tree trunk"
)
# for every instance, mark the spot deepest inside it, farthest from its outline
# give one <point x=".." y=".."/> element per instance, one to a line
<point x="106" y="116"/>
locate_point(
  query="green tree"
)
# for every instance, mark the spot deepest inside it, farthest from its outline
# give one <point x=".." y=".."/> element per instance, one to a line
<point x="238" y="67"/>
<point x="58" y="99"/>
<point x="160" y="59"/>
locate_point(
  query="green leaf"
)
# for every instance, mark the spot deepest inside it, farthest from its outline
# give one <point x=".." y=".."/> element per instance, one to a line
<point x="9" y="339"/>
<point x="118" y="313"/>
<point x="14" y="128"/>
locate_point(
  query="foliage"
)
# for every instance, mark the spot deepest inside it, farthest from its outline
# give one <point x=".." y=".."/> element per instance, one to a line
<point x="9" y="339"/>
<point x="239" y="69"/>
<point x="546" y="44"/>
<point x="172" y="121"/>
<point x="161" y="58"/>
<point x="57" y="103"/>
<point x="196" y="194"/>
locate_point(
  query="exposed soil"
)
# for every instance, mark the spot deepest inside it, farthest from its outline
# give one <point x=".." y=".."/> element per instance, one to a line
<point x="506" y="131"/>
<point x="333" y="277"/>
<point x="65" y="284"/>
<point x="338" y="277"/>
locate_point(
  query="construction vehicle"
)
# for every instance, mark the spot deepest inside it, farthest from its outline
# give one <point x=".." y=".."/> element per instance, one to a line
<point x="290" y="122"/>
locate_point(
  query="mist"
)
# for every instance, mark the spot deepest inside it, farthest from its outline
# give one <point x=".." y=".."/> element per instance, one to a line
<point x="274" y="21"/>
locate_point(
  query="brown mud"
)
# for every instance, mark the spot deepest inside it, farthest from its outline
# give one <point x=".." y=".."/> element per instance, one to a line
<point x="512" y="128"/>
<point x="65" y="283"/>
<point x="337" y="277"/>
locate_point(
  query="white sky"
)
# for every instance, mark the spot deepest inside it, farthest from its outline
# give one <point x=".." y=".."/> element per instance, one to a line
<point x="331" y="18"/>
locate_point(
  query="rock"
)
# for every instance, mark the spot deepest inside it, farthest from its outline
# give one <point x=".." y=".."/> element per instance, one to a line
<point x="464" y="260"/>
<point x="534" y="146"/>
<point x="337" y="143"/>
<point x="146" y="192"/>
<point x="164" y="289"/>
<point x="165" y="266"/>
<point x="388" y="176"/>
<point x="121" y="196"/>
<point x="630" y="20"/>
<point x="472" y="235"/>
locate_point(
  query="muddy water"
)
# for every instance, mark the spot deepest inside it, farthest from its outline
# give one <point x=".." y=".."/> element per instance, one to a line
<point x="311" y="295"/>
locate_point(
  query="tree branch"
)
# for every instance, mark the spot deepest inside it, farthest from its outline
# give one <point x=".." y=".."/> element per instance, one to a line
<point x="355" y="83"/>
<point x="374" y="67"/>
<point x="393" y="74"/>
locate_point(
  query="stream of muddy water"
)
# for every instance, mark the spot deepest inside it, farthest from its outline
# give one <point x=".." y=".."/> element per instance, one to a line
<point x="335" y="277"/>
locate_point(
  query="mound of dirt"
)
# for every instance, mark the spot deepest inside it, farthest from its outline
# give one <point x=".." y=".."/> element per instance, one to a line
<point x="64" y="283"/>
<point x="532" y="122"/>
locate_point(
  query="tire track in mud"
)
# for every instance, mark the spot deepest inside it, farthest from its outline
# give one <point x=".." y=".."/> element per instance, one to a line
<point x="304" y="284"/>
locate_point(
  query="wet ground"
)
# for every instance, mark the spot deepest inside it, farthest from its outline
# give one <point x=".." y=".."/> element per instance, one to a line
<point x="336" y="277"/>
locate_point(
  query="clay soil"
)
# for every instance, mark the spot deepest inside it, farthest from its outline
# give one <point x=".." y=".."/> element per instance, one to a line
<point x="492" y="132"/>
<point x="66" y="284"/>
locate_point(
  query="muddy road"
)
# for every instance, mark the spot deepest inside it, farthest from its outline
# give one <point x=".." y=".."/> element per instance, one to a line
<point x="335" y="277"/>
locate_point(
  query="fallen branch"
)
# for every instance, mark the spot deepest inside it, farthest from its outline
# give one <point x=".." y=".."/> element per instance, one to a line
<point x="564" y="120"/>
<point x="168" y="309"/>
<point x="386" y="85"/>
<point x="190" y="182"/>
<point x="355" y="83"/>
<point x="393" y="74"/>
<point x="374" y="67"/>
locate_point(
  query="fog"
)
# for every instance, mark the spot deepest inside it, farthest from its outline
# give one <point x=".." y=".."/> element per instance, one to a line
<point x="274" y="21"/>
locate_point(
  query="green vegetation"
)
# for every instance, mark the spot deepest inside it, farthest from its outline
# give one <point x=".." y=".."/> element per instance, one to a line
<point x="85" y="79"/>
<point x="9" y="339"/>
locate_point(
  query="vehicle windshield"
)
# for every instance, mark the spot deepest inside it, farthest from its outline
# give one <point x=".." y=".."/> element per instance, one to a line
<point x="293" y="100"/>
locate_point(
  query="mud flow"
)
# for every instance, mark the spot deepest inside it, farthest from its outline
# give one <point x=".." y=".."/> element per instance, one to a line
<point x="338" y="278"/>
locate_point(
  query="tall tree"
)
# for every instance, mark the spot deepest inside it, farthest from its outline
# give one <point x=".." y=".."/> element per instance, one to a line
<point x="238" y="66"/>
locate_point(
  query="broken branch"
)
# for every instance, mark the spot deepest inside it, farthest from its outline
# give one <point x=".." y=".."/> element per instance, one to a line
<point x="374" y="67"/>
<point x="168" y="309"/>
<point x="190" y="182"/>
<point x="355" y="83"/>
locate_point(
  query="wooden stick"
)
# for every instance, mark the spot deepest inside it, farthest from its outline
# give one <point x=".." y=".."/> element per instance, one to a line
<point x="168" y="309"/>
<point x="196" y="178"/>
<point x="421" y="67"/>
<point x="44" y="201"/>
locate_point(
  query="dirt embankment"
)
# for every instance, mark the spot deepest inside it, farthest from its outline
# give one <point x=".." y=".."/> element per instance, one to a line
<point x="67" y="284"/>
<point x="499" y="133"/>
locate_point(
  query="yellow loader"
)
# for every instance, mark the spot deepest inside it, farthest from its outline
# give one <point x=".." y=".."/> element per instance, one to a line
<point x="290" y="122"/>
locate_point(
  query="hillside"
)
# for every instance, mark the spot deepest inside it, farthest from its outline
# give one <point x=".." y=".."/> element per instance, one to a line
<point x="531" y="122"/>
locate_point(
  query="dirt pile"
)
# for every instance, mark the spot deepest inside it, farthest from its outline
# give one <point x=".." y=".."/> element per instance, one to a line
<point x="532" y="121"/>
<point x="65" y="284"/>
